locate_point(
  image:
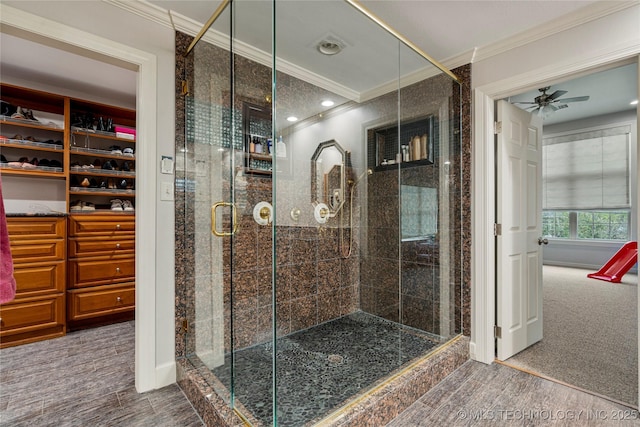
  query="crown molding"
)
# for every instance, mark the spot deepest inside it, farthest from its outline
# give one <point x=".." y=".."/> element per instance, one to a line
<point x="191" y="27"/>
<point x="582" y="16"/>
<point x="145" y="10"/>
<point x="584" y="65"/>
<point x="188" y="26"/>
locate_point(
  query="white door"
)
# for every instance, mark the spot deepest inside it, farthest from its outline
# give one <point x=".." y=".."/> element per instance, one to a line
<point x="519" y="211"/>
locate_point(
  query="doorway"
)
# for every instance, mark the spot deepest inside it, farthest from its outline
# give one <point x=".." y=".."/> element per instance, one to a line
<point x="483" y="272"/>
<point x="580" y="345"/>
<point x="19" y="23"/>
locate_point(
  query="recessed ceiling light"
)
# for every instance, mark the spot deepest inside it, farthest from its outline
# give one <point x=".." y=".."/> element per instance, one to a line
<point x="328" y="47"/>
<point x="292" y="119"/>
<point x="634" y="102"/>
<point x="327" y="103"/>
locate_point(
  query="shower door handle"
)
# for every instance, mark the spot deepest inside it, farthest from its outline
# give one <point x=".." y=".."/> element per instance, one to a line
<point x="234" y="220"/>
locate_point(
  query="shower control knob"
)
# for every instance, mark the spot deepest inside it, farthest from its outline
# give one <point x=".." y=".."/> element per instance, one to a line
<point x="542" y="241"/>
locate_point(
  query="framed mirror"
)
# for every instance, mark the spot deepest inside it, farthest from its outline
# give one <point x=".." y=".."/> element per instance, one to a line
<point x="328" y="176"/>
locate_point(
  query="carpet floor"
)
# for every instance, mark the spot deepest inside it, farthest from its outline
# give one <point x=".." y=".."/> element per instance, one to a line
<point x="590" y="334"/>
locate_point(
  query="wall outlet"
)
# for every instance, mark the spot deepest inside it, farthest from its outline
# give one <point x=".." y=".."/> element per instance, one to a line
<point x="166" y="191"/>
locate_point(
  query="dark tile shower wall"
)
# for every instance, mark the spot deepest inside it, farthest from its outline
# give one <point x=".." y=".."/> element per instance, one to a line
<point x="418" y="266"/>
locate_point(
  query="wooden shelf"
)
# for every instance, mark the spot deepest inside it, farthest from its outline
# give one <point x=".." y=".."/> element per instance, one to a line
<point x="403" y="165"/>
<point x="35" y="173"/>
<point x="104" y="192"/>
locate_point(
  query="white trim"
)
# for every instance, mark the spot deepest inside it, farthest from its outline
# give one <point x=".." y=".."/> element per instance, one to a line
<point x="216" y="38"/>
<point x="483" y="260"/>
<point x="144" y="9"/>
<point x="579" y="17"/>
<point x="145" y="340"/>
<point x="165" y="374"/>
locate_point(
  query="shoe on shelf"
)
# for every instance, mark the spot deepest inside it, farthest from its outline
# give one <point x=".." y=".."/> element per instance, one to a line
<point x="128" y="152"/>
<point x="115" y="149"/>
<point x="85" y="182"/>
<point x="19" y="114"/>
<point x="116" y="205"/>
<point x="127" y="205"/>
<point x="88" y="206"/>
<point x="76" y="206"/>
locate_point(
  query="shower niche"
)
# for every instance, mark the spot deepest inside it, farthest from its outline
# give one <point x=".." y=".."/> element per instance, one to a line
<point x="410" y="144"/>
<point x="256" y="130"/>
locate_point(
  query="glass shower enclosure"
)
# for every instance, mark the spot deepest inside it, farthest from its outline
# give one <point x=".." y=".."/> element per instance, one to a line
<point x="321" y="177"/>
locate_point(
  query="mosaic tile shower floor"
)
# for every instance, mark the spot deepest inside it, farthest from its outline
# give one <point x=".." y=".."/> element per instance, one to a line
<point x="320" y="368"/>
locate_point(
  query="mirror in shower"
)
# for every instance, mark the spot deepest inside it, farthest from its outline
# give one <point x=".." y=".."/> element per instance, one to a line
<point x="328" y="176"/>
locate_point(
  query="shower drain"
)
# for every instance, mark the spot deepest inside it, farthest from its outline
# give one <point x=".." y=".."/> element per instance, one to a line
<point x="335" y="359"/>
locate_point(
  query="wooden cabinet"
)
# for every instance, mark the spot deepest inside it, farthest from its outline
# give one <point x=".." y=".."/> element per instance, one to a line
<point x="38" y="246"/>
<point x="88" y="146"/>
<point x="101" y="267"/>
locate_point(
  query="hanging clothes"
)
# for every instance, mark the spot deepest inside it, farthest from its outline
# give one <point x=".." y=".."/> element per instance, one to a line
<point x="7" y="281"/>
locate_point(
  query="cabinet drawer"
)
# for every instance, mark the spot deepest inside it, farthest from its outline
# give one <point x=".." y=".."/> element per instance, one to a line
<point x="39" y="279"/>
<point x="101" y="225"/>
<point x="31" y="314"/>
<point x="31" y="228"/>
<point x="105" y="271"/>
<point x="37" y="251"/>
<point x="100" y="301"/>
<point x="101" y="246"/>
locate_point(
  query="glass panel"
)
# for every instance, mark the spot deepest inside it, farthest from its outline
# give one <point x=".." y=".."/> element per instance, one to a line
<point x="343" y="320"/>
<point x="208" y="183"/>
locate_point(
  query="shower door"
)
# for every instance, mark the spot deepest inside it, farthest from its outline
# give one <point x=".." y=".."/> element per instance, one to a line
<point x="227" y="184"/>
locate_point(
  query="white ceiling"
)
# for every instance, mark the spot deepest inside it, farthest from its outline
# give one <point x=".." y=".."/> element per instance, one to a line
<point x="452" y="32"/>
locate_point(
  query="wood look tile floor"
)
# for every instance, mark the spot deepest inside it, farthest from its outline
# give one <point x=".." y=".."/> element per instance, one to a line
<point x="480" y="395"/>
<point x="85" y="378"/>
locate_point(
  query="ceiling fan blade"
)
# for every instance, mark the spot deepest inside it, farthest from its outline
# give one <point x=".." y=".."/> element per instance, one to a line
<point x="552" y="107"/>
<point x="576" y="99"/>
<point x="557" y="94"/>
<point x="561" y="106"/>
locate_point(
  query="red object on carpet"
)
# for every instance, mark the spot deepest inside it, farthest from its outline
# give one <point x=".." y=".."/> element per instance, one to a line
<point x="619" y="264"/>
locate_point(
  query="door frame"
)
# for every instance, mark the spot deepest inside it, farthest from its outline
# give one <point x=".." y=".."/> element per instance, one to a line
<point x="483" y="197"/>
<point x="146" y="375"/>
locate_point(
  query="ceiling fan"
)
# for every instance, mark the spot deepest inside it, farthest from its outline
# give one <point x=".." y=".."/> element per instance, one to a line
<point x="546" y="104"/>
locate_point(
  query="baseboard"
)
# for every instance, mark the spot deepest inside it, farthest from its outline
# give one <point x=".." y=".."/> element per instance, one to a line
<point x="165" y="374"/>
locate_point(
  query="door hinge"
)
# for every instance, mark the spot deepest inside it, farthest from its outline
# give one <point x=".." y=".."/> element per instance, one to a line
<point x="497" y="331"/>
<point x="185" y="87"/>
<point x="185" y="325"/>
<point x="497" y="229"/>
<point x="497" y="127"/>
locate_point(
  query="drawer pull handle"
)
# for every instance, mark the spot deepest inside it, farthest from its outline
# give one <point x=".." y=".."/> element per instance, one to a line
<point x="117" y="226"/>
<point x="117" y="245"/>
<point x="117" y="269"/>
<point x="118" y="299"/>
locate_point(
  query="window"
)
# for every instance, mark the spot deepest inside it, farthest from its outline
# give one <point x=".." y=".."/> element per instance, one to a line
<point x="419" y="212"/>
<point x="603" y="225"/>
<point x="600" y="225"/>
<point x="556" y="224"/>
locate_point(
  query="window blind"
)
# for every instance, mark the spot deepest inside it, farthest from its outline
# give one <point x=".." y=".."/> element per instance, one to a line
<point x="586" y="170"/>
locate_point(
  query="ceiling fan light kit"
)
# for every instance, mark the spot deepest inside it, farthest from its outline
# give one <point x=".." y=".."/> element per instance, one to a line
<point x="546" y="104"/>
